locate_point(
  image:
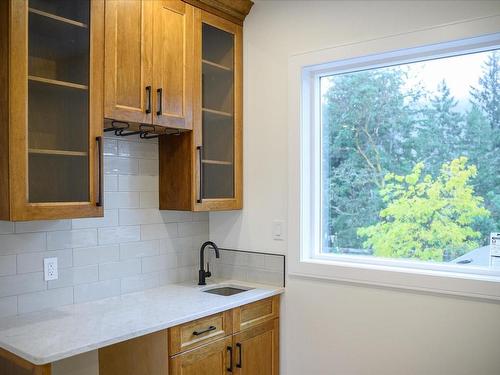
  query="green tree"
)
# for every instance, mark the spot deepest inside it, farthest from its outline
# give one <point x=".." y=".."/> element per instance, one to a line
<point x="483" y="140"/>
<point x="367" y="124"/>
<point x="441" y="131"/>
<point x="427" y="218"/>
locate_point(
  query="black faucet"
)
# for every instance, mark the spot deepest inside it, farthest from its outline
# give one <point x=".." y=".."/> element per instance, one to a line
<point x="202" y="274"/>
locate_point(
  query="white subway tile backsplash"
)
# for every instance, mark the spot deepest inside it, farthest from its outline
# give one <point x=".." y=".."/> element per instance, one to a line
<point x="133" y="247"/>
<point x="176" y="216"/>
<point x="95" y="255"/>
<point x="116" y="270"/>
<point x="71" y="238"/>
<point x="157" y="231"/>
<point x="199" y="216"/>
<point x="110" y="219"/>
<point x="44" y="300"/>
<point x="140" y="216"/>
<point x="148" y="199"/>
<point x="23" y="283"/>
<point x="110" y="147"/>
<point x="187" y="258"/>
<point x="139" y="249"/>
<point x="8" y="306"/>
<point x="140" y="282"/>
<point x="33" y="262"/>
<point x="193" y="229"/>
<point x="264" y="277"/>
<point x="159" y="263"/>
<point x="6" y="227"/>
<point x="74" y="276"/>
<point x="42" y="226"/>
<point x="110" y="183"/>
<point x="98" y="290"/>
<point x="138" y="150"/>
<point x="123" y="199"/>
<point x="119" y="234"/>
<point x="148" y="167"/>
<point x="19" y="243"/>
<point x="117" y="165"/>
<point x="8" y="265"/>
<point x="177" y="244"/>
<point x="137" y="183"/>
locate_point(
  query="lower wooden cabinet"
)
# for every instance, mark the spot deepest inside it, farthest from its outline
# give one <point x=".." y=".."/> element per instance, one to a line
<point x="210" y="359"/>
<point x="250" y="348"/>
<point x="256" y="350"/>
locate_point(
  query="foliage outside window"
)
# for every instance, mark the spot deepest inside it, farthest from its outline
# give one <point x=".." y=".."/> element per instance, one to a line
<point x="410" y="160"/>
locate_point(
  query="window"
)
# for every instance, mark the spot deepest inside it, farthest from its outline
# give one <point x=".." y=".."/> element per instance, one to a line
<point x="409" y="160"/>
<point x="396" y="180"/>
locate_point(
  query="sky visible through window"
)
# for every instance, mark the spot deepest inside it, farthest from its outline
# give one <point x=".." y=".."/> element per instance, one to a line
<point x="410" y="157"/>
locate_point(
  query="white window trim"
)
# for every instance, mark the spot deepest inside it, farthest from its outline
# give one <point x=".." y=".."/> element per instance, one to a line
<point x="304" y="166"/>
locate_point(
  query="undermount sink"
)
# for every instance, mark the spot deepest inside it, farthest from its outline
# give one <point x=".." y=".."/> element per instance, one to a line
<point x="226" y="290"/>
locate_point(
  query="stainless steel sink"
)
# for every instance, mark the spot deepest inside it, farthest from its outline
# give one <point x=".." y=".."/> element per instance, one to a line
<point x="225" y="290"/>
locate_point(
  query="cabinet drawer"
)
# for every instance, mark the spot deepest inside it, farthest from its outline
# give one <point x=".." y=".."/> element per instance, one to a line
<point x="250" y="315"/>
<point x="198" y="332"/>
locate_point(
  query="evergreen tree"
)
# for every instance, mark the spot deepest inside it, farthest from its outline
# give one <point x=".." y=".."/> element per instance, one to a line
<point x="442" y="131"/>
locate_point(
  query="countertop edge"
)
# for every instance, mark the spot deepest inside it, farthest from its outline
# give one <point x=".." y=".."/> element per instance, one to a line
<point x="134" y="334"/>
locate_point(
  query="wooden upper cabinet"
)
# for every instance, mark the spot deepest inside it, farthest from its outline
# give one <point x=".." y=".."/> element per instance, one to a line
<point x="149" y="62"/>
<point x="51" y="109"/>
<point x="129" y="60"/>
<point x="203" y="170"/>
<point x="173" y="63"/>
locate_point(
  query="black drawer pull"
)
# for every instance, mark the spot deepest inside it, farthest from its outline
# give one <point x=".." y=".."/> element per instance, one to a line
<point x="230" y="350"/>
<point x="211" y="328"/>
<point x="148" y="99"/>
<point x="159" y="98"/>
<point x="239" y="363"/>
<point x="100" y="201"/>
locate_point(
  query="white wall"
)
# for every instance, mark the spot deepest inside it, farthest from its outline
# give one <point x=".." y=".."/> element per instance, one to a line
<point x="333" y="328"/>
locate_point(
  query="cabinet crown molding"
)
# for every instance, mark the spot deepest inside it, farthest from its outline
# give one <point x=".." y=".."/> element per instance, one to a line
<point x="232" y="10"/>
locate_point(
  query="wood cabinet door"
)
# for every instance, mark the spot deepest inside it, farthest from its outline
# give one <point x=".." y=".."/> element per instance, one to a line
<point x="211" y="359"/>
<point x="256" y="350"/>
<point x="56" y="109"/>
<point x="218" y="114"/>
<point x="128" y="93"/>
<point x="173" y="22"/>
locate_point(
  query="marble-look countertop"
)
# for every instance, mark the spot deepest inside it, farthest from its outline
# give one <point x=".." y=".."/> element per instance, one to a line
<point x="51" y="335"/>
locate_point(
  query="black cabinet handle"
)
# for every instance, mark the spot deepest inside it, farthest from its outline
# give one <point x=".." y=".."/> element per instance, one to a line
<point x="240" y="348"/>
<point x="200" y="161"/>
<point x="148" y="98"/>
<point x="230" y="350"/>
<point x="159" y="94"/>
<point x="211" y="328"/>
<point x="100" y="200"/>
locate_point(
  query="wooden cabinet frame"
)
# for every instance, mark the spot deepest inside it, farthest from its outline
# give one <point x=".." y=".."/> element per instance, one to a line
<point x="14" y="203"/>
<point x="11" y="364"/>
<point x="179" y="159"/>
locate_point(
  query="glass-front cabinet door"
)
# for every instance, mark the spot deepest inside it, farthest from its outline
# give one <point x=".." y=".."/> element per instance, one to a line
<point x="57" y="125"/>
<point x="219" y="137"/>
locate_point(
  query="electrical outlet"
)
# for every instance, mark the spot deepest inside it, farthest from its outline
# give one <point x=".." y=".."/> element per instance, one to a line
<point x="50" y="269"/>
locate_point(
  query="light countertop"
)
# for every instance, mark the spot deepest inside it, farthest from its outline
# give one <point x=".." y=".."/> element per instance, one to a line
<point x="51" y="335"/>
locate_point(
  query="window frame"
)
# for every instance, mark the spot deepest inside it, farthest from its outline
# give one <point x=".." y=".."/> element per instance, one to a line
<point x="306" y="259"/>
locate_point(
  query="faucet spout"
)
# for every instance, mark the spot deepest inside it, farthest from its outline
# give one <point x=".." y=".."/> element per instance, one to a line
<point x="202" y="274"/>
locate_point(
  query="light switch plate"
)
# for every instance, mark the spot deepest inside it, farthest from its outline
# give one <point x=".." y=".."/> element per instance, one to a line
<point x="50" y="269"/>
<point x="279" y="230"/>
